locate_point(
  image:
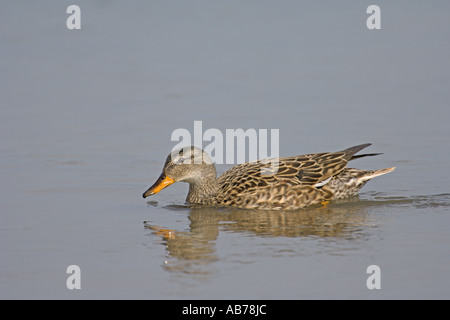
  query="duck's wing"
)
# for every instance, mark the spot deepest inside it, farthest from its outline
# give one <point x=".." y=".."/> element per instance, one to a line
<point x="311" y="169"/>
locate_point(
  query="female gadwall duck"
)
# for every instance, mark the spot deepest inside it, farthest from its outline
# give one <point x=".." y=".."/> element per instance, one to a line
<point x="296" y="182"/>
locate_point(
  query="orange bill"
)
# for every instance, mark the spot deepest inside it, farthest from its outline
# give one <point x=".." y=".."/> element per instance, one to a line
<point x="162" y="182"/>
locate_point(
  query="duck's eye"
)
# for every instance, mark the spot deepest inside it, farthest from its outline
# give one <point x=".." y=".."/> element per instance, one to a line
<point x="179" y="160"/>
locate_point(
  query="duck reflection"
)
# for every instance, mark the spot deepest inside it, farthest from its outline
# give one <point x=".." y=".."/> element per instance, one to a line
<point x="194" y="251"/>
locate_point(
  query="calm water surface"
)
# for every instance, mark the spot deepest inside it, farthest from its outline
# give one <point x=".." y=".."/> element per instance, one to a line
<point x="86" y="121"/>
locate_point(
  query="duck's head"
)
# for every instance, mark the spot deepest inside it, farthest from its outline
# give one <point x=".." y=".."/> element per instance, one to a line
<point x="188" y="164"/>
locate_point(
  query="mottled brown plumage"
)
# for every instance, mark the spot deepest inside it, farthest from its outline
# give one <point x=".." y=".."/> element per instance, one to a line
<point x="296" y="182"/>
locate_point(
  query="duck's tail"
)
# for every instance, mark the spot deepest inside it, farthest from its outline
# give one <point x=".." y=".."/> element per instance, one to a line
<point x="374" y="173"/>
<point x="350" y="152"/>
<point x="349" y="181"/>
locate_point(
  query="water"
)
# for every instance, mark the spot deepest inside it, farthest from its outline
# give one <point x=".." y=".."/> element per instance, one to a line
<point x="86" y="120"/>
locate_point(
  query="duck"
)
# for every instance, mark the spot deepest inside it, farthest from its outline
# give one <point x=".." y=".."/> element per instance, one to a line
<point x="288" y="183"/>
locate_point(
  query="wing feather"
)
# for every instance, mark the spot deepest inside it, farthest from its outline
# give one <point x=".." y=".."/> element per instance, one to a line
<point x="305" y="170"/>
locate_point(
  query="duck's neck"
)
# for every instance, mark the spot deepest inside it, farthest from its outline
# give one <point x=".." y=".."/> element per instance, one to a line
<point x="203" y="191"/>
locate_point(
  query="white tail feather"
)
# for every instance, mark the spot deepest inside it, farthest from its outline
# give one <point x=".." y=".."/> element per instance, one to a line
<point x="376" y="173"/>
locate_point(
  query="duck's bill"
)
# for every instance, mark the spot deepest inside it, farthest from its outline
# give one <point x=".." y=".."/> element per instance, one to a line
<point x="162" y="182"/>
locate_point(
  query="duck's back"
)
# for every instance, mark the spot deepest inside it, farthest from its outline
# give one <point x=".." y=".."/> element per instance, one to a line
<point x="296" y="181"/>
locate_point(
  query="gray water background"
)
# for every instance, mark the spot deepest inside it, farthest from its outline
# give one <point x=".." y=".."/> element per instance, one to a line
<point x="87" y="116"/>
